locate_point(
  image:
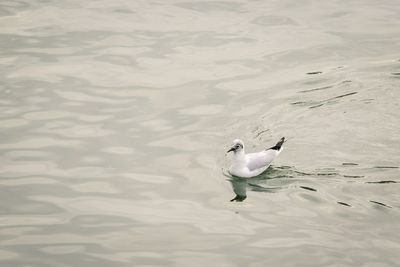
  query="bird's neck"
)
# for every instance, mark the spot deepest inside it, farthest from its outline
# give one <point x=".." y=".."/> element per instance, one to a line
<point x="239" y="157"/>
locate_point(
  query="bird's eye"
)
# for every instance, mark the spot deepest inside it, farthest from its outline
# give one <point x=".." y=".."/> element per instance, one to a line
<point x="237" y="146"/>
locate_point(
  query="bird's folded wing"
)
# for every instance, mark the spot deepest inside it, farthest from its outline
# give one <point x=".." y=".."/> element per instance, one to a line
<point x="261" y="160"/>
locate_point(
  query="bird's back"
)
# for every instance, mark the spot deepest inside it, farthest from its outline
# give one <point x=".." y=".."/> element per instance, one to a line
<point x="261" y="160"/>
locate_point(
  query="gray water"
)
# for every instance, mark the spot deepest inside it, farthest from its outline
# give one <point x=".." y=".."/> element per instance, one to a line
<point x="116" y="116"/>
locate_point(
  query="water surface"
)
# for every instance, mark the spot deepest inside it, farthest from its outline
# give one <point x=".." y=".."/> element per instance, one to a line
<point x="115" y="117"/>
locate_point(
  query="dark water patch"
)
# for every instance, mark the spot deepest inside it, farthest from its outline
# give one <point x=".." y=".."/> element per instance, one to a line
<point x="349" y="164"/>
<point x="308" y="188"/>
<point x="353" y="176"/>
<point x="303" y="173"/>
<point x="383" y="182"/>
<point x="282" y="176"/>
<point x="316" y="89"/>
<point x="310" y="104"/>
<point x="298" y="103"/>
<point x="314" y="72"/>
<point x="316" y="106"/>
<point x="327" y="174"/>
<point x="380" y="204"/>
<point x="386" y="167"/>
<point x="396" y="73"/>
<point x="344" y="204"/>
<point x="341" y="96"/>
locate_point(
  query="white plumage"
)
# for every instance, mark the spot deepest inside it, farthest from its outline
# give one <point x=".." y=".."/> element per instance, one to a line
<point x="253" y="164"/>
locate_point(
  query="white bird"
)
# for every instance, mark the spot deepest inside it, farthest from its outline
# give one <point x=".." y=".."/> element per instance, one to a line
<point x="253" y="164"/>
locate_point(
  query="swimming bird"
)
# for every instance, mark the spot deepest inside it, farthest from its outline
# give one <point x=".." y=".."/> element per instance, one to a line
<point x="253" y="164"/>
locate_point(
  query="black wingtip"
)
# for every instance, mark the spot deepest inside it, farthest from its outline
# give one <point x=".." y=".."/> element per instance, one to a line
<point x="279" y="144"/>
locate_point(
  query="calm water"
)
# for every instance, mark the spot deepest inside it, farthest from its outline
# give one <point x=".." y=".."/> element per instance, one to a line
<point x="115" y="117"/>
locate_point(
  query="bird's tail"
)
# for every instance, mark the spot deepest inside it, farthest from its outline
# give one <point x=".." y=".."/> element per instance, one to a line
<point x="279" y="144"/>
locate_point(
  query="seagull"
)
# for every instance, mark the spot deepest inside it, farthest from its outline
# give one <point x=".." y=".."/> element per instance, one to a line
<point x="253" y="164"/>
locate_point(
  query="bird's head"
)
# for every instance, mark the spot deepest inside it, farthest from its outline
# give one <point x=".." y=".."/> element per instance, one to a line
<point x="237" y="146"/>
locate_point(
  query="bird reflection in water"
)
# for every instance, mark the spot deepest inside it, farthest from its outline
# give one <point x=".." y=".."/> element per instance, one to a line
<point x="240" y="186"/>
<point x="258" y="183"/>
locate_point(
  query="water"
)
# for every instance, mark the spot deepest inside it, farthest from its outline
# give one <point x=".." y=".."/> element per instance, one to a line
<point x="116" y="115"/>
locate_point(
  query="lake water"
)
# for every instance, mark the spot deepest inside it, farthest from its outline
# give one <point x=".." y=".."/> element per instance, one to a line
<point x="115" y="117"/>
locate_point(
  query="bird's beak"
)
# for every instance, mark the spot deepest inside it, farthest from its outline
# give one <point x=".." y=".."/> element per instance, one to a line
<point x="231" y="149"/>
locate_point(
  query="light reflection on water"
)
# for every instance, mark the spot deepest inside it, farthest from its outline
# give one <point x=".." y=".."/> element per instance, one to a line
<point x="114" y="119"/>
